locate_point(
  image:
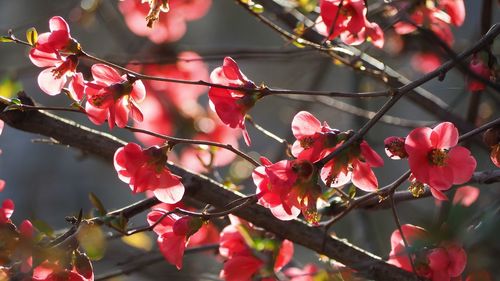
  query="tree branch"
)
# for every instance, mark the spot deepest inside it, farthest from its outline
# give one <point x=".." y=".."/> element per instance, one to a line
<point x="371" y="66"/>
<point x="203" y="189"/>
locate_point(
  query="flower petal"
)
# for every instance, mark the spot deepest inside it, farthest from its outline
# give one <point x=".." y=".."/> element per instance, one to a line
<point x="49" y="83"/>
<point x="447" y="135"/>
<point x="305" y="124"/>
<point x="105" y="74"/>
<point x="363" y="177"/>
<point x="462" y="163"/>
<point x="466" y="195"/>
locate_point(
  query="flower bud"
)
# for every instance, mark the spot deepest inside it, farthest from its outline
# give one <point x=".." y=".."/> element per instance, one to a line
<point x="395" y="148"/>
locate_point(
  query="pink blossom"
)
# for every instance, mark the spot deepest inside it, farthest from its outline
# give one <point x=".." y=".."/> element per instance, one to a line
<point x="288" y="188"/>
<point x="436" y="160"/>
<point x="347" y="19"/>
<point x="58" y="40"/>
<point x="439" y="262"/>
<point x="242" y="264"/>
<point x="145" y="170"/>
<point x="6" y="211"/>
<point x="230" y="105"/>
<point x="466" y="195"/>
<point x="56" y="52"/>
<point x="480" y="68"/>
<point x="48" y="271"/>
<point x="173" y="234"/>
<point x="395" y="148"/>
<point x="170" y="26"/>
<point x="113" y="97"/>
<point x="316" y="141"/>
<point x="455" y="9"/>
<point x="425" y="62"/>
<point x="437" y="19"/>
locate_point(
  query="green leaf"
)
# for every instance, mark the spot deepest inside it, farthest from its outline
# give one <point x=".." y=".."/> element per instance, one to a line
<point x="92" y="240"/>
<point x="257" y="8"/>
<point x="97" y="204"/>
<point x="9" y="87"/>
<point x="139" y="240"/>
<point x="16" y="101"/>
<point x="43" y="227"/>
<point x="352" y="191"/>
<point x="5" y="39"/>
<point x="32" y="36"/>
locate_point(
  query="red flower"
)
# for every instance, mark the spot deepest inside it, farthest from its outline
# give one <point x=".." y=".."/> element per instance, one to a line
<point x="478" y="67"/>
<point x="145" y="170"/>
<point x="242" y="264"/>
<point x="437" y="19"/>
<point x="6" y="211"/>
<point x="436" y="262"/>
<point x="113" y="97"/>
<point x="466" y="195"/>
<point x="347" y="19"/>
<point x="231" y="105"/>
<point x="170" y="26"/>
<point x="47" y="271"/>
<point x="57" y="40"/>
<point x="425" y="62"/>
<point x="288" y="187"/>
<point x="435" y="159"/>
<point x="173" y="234"/>
<point x="395" y="148"/>
<point x="315" y="141"/>
<point x="56" y="51"/>
<point x="455" y="9"/>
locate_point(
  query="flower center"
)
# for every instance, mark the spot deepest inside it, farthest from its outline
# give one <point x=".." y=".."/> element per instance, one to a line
<point x="158" y="158"/>
<point x="438" y="157"/>
<point x="306" y="142"/>
<point x="69" y="65"/>
<point x="303" y="168"/>
<point x="416" y="189"/>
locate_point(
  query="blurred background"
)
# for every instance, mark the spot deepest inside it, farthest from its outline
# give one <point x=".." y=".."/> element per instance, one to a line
<point x="48" y="181"/>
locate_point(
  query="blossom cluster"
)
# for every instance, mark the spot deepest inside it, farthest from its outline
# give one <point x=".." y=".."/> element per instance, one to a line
<point x="434" y="158"/>
<point x="322" y="161"/>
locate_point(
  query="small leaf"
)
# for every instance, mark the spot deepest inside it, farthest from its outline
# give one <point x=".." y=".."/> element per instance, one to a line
<point x="9" y="87"/>
<point x="92" y="240"/>
<point x="32" y="36"/>
<point x="97" y="204"/>
<point x="16" y="101"/>
<point x="5" y="39"/>
<point x="298" y="43"/>
<point x="352" y="191"/>
<point x="139" y="240"/>
<point x="257" y="8"/>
